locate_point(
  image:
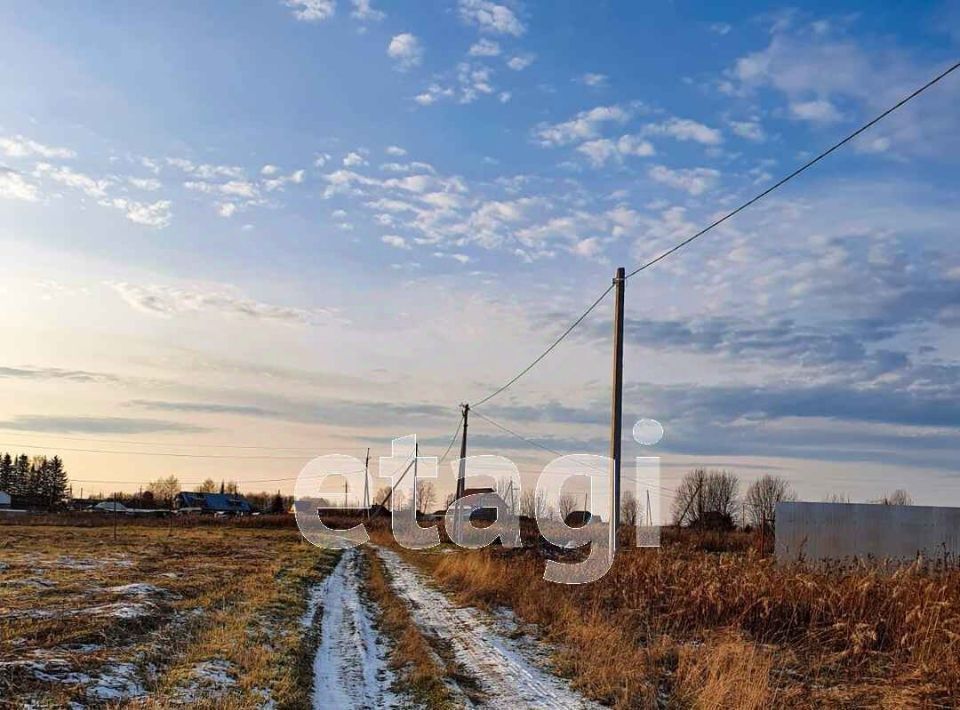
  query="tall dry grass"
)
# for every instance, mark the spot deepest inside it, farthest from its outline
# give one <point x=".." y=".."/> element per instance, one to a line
<point x="684" y="627"/>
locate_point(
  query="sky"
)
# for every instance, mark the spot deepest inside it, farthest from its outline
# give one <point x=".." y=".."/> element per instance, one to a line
<point x="237" y="235"/>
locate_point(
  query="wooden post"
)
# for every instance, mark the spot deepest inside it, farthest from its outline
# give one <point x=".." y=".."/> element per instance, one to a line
<point x="366" y="484"/>
<point x="616" y="407"/>
<point x="461" y="476"/>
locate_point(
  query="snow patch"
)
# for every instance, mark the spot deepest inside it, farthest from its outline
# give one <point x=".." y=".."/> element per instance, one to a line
<point x="350" y="668"/>
<point x="508" y="674"/>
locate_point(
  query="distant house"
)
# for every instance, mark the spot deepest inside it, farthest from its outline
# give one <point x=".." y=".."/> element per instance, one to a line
<point x="578" y="518"/>
<point x="212" y="503"/>
<point x="5" y="500"/>
<point x="485" y="507"/>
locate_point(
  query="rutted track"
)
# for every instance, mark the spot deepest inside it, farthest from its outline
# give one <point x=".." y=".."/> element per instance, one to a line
<point x="349" y="670"/>
<point x="507" y="675"/>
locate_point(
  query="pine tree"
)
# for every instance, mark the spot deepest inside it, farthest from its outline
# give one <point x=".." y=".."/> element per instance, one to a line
<point x="6" y="473"/>
<point x="56" y="481"/>
<point x="21" y="476"/>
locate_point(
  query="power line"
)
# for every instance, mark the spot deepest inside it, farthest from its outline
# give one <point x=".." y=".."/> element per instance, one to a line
<point x="156" y="453"/>
<point x="795" y="173"/>
<point x="546" y="352"/>
<point x="513" y="433"/>
<point x="453" y="439"/>
<point x="720" y="221"/>
<point x="180" y="445"/>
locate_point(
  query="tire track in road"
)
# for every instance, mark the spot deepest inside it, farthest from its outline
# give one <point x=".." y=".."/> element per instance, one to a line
<point x="507" y="675"/>
<point x="349" y="669"/>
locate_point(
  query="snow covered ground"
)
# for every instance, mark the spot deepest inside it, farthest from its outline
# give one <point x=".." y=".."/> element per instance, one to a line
<point x="350" y="669"/>
<point x="508" y="674"/>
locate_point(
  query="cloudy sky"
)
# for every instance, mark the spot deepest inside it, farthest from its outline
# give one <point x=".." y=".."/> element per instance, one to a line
<point x="237" y="234"/>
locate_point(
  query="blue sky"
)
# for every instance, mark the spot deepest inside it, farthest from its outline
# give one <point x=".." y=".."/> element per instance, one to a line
<point x="323" y="224"/>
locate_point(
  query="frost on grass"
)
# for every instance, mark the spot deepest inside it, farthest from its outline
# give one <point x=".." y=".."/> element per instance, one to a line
<point x="208" y="680"/>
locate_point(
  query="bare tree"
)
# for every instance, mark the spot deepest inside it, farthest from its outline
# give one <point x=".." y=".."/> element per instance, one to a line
<point x="762" y="498"/>
<point x="898" y="497"/>
<point x="164" y="490"/>
<point x="208" y="486"/>
<point x="566" y="504"/>
<point x="837" y="498"/>
<point x="629" y="507"/>
<point x="450" y="498"/>
<point x="426" y="495"/>
<point x="702" y="495"/>
<point x="381" y="495"/>
<point x="508" y="493"/>
<point x="232" y="487"/>
<point x="533" y="504"/>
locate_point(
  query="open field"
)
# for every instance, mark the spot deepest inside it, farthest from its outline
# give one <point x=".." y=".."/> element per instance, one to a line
<point x="192" y="616"/>
<point x="243" y="614"/>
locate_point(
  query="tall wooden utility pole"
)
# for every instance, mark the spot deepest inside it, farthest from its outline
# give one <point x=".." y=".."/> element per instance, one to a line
<point x="366" y="484"/>
<point x="616" y="407"/>
<point x="416" y="458"/>
<point x="461" y="476"/>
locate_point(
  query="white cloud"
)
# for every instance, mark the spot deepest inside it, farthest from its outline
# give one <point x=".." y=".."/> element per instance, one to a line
<point x="395" y="241"/>
<point x="148" y="184"/>
<point x="720" y="28"/>
<point x="169" y="301"/>
<point x="634" y="145"/>
<point x="684" y="129"/>
<point x="485" y="48"/>
<point x="13" y="186"/>
<point x="396" y="151"/>
<point x="520" y="61"/>
<point x="68" y="177"/>
<point x="601" y="150"/>
<point x="281" y="181"/>
<point x="20" y="147"/>
<point x="207" y="171"/>
<point x="353" y="159"/>
<point x="817" y="111"/>
<point x="363" y="11"/>
<point x="696" y="181"/>
<point x="584" y="125"/>
<point x="227" y="209"/>
<point x="232" y="188"/>
<point x="751" y="130"/>
<point x="320" y="159"/>
<point x="587" y="248"/>
<point x="595" y="81"/>
<point x="269" y="170"/>
<point x="504" y="96"/>
<point x="406" y="50"/>
<point x="490" y="17"/>
<point x="312" y="10"/>
<point x="150" y="214"/>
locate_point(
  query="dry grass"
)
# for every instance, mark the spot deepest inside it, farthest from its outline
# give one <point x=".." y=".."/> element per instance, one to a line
<point x="687" y="628"/>
<point x="420" y="669"/>
<point x="214" y="622"/>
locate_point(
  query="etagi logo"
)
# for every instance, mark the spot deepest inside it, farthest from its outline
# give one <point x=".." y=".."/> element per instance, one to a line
<point x="493" y="494"/>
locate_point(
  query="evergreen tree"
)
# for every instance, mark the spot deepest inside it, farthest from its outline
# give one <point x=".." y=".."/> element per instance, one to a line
<point x="21" y="476"/>
<point x="56" y="481"/>
<point x="6" y="473"/>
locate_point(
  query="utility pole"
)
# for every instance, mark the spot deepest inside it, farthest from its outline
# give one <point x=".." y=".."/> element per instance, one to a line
<point x="344" y="495"/>
<point x="416" y="458"/>
<point x="461" y="476"/>
<point x="366" y="484"/>
<point x="616" y="407"/>
<point x="649" y="511"/>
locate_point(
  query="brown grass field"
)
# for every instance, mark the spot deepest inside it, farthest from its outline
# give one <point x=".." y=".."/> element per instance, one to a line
<point x="212" y="618"/>
<point x="208" y="614"/>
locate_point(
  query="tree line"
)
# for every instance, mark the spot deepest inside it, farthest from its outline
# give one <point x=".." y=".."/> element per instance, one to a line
<point x="34" y="481"/>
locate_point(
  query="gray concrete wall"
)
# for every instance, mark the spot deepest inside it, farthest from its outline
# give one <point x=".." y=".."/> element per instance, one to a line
<point x="829" y="531"/>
